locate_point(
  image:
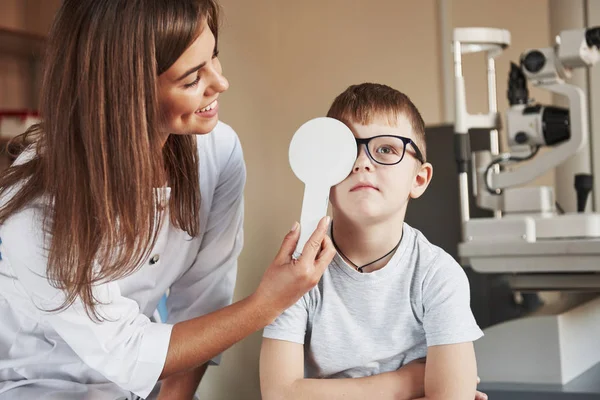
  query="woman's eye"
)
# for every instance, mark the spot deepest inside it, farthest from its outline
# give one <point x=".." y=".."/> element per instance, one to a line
<point x="191" y="85"/>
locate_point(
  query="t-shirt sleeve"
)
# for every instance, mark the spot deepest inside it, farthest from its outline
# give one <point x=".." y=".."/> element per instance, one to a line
<point x="447" y="315"/>
<point x="291" y="325"/>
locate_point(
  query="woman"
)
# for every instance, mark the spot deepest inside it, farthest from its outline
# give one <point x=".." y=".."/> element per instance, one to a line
<point x="132" y="187"/>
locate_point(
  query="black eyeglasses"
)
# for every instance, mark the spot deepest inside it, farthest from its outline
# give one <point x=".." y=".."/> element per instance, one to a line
<point x="388" y="149"/>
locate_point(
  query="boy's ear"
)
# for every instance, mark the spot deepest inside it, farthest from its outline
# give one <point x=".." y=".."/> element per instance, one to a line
<point x="421" y="180"/>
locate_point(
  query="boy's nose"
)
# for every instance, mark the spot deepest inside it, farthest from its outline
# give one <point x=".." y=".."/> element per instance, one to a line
<point x="363" y="161"/>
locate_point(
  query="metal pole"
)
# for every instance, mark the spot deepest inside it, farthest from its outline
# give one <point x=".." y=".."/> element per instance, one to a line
<point x="462" y="149"/>
<point x="493" y="108"/>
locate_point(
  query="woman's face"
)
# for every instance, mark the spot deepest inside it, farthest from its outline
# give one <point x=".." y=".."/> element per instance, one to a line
<point x="189" y="89"/>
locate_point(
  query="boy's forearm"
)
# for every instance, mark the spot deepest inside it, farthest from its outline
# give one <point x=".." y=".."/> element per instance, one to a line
<point x="443" y="398"/>
<point x="451" y="372"/>
<point x="384" y="387"/>
<point x="475" y="395"/>
<point x="404" y="384"/>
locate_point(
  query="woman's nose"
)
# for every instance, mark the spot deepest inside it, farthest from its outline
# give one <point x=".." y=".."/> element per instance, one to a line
<point x="218" y="82"/>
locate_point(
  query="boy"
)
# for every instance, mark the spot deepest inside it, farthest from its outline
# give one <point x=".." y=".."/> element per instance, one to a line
<point x="389" y="298"/>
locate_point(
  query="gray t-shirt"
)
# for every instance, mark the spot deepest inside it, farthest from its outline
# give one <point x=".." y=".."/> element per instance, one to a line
<point x="356" y="324"/>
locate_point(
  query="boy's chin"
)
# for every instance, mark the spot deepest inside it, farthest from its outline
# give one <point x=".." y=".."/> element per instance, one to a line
<point x="370" y="214"/>
<point x="366" y="215"/>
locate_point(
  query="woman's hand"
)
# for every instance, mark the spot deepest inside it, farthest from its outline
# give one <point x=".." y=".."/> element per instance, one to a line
<point x="194" y="342"/>
<point x="286" y="279"/>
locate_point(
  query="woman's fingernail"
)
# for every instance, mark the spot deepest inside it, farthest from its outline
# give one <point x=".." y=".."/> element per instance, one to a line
<point x="294" y="227"/>
<point x="328" y="220"/>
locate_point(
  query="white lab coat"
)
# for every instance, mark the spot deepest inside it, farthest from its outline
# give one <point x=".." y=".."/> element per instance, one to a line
<point x="65" y="355"/>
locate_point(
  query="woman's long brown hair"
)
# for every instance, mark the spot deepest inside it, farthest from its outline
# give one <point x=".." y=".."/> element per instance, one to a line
<point x="98" y="152"/>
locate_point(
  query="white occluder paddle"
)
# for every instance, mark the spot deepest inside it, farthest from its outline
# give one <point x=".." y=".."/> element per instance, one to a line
<point x="322" y="154"/>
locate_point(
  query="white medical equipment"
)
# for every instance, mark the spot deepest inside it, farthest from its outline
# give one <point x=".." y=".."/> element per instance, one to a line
<point x="529" y="239"/>
<point x="322" y="153"/>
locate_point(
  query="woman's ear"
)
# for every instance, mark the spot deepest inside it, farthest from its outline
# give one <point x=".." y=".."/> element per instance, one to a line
<point x="421" y="180"/>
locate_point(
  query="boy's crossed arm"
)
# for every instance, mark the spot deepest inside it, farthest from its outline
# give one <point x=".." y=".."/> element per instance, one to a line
<point x="449" y="373"/>
<point x="282" y="378"/>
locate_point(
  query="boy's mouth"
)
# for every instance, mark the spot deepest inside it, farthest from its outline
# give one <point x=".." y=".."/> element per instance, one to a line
<point x="363" y="186"/>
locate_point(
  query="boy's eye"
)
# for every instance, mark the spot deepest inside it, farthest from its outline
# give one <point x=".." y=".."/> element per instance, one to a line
<point x="385" y="150"/>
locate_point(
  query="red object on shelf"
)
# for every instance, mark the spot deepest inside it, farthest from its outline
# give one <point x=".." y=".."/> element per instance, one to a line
<point x="14" y="122"/>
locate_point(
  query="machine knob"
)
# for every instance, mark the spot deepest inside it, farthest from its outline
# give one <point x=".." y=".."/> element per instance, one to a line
<point x="592" y="37"/>
<point x="521" y="138"/>
<point x="584" y="184"/>
<point x="534" y="61"/>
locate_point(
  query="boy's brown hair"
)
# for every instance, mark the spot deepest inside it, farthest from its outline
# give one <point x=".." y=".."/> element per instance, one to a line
<point x="362" y="103"/>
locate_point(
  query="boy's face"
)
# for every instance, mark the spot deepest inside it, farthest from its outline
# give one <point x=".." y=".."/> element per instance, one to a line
<point x="374" y="192"/>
